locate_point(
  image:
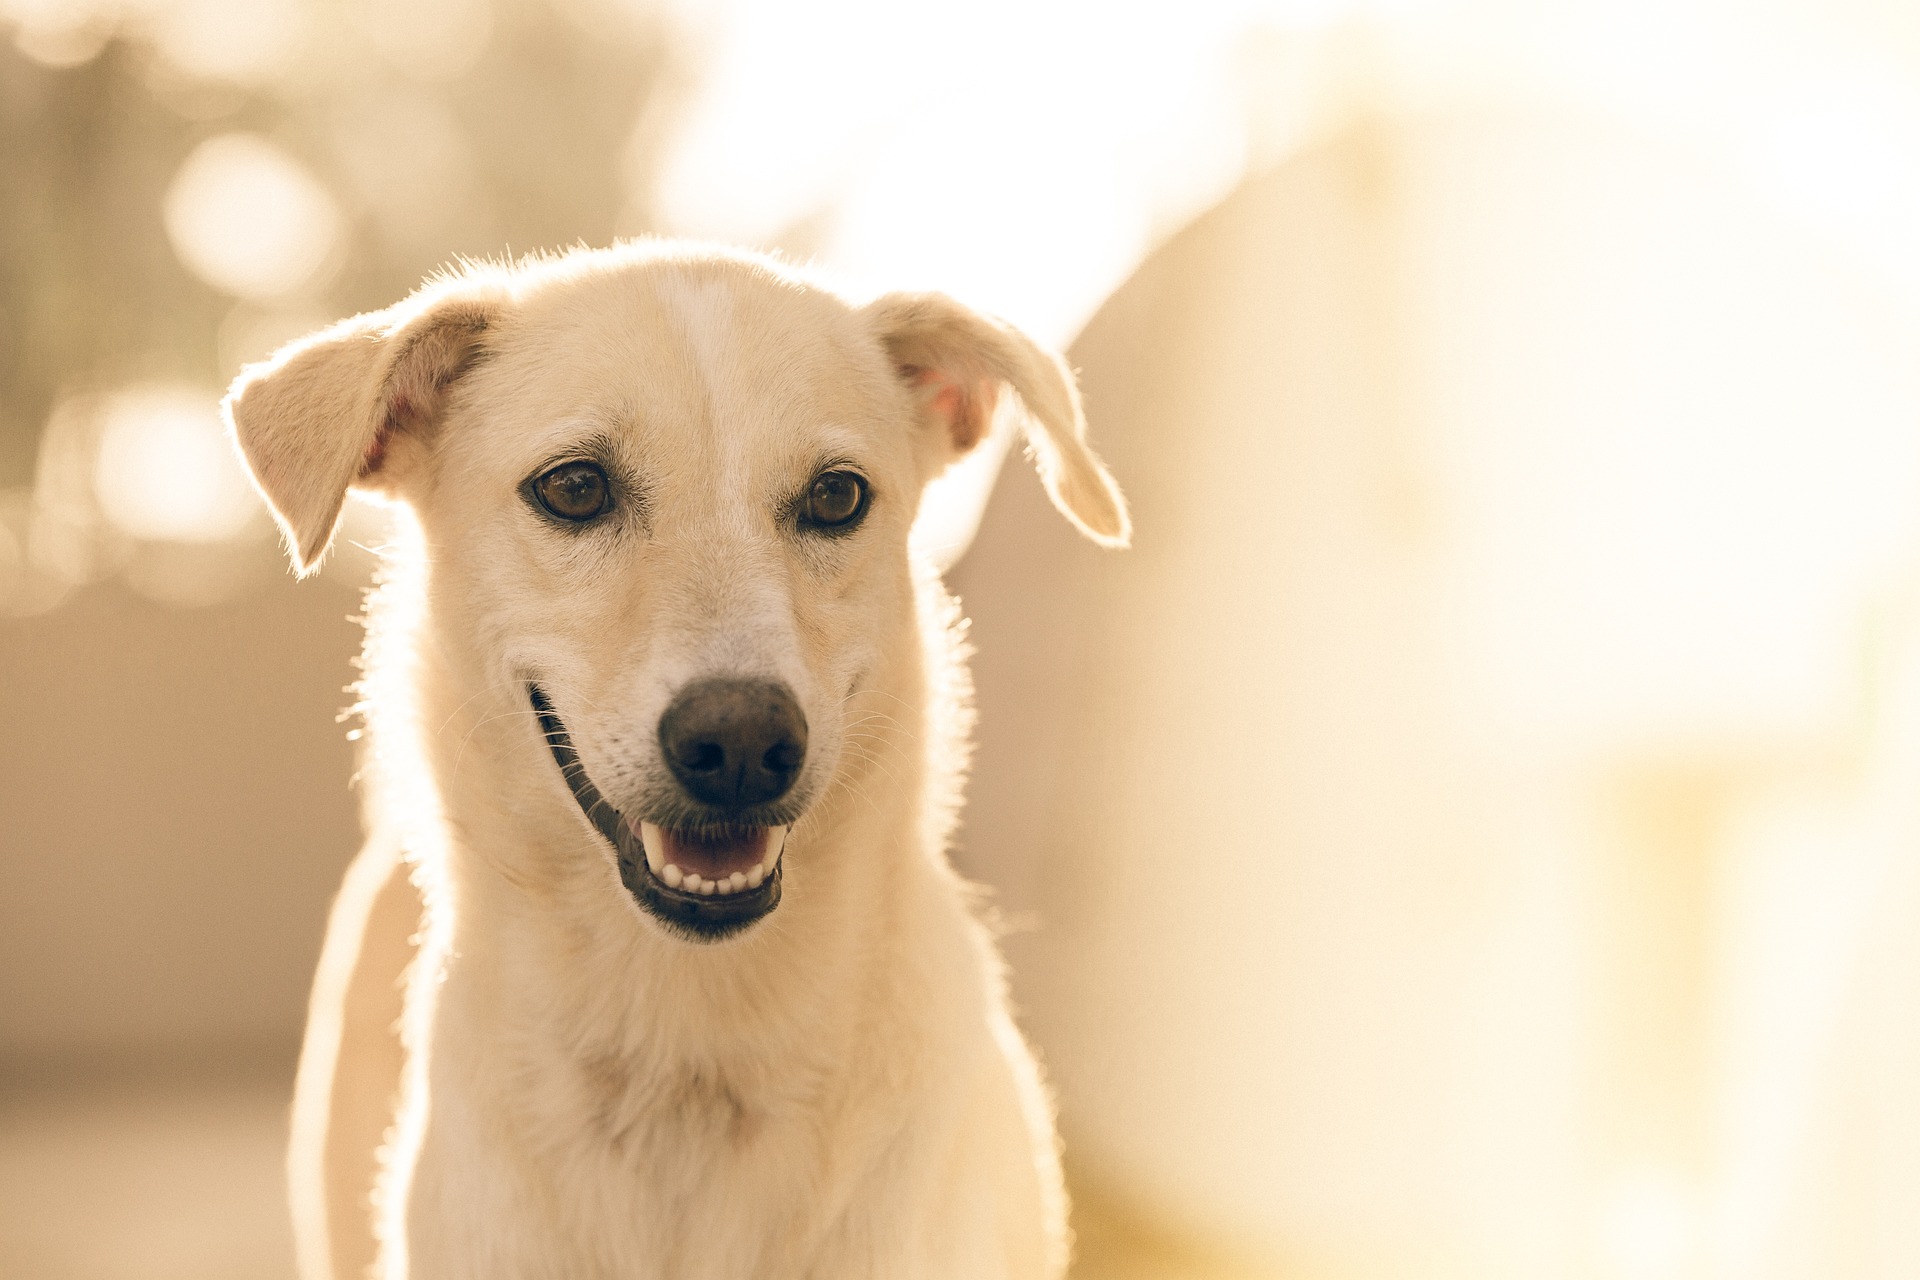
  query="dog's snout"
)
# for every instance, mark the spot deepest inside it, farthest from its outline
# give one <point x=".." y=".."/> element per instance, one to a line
<point x="734" y="743"/>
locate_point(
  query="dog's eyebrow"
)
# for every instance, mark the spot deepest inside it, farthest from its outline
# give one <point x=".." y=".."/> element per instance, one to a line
<point x="836" y="438"/>
<point x="599" y="445"/>
<point x="835" y="462"/>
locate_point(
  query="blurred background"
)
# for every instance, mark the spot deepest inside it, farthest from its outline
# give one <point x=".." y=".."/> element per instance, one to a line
<point x="1474" y="833"/>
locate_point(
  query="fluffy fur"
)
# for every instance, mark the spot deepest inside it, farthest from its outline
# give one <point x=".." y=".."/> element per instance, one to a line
<point x="577" y="1090"/>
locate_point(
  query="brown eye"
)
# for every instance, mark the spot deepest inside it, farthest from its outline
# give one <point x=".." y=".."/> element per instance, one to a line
<point x="575" y="491"/>
<point x="835" y="500"/>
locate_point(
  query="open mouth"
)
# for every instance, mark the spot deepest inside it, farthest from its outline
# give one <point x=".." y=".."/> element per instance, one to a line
<point x="708" y="882"/>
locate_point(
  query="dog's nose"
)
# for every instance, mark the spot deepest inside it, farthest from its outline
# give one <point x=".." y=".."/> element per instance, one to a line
<point x="734" y="743"/>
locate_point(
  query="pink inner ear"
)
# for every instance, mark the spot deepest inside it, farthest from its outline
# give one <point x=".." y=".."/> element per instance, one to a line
<point x="965" y="415"/>
<point x="418" y="378"/>
<point x="376" y="453"/>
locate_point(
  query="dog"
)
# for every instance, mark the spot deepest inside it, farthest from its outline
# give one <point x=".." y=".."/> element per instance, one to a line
<point x="667" y="725"/>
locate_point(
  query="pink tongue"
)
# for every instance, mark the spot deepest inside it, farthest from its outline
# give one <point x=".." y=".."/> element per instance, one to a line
<point x="719" y="856"/>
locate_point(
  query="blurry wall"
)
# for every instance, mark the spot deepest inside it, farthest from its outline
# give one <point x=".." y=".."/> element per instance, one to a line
<point x="174" y="819"/>
<point x="1443" y="844"/>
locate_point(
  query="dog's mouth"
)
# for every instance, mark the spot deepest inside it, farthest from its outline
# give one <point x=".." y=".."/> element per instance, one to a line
<point x="707" y="882"/>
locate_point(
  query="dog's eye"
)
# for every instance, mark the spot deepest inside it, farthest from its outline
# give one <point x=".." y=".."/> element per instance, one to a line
<point x="575" y="491"/>
<point x="835" y="500"/>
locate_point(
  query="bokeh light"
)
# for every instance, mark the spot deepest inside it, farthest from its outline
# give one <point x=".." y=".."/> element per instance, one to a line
<point x="238" y="40"/>
<point x="249" y="219"/>
<point x="166" y="470"/>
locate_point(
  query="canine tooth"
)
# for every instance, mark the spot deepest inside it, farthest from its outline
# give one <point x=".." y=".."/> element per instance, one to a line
<point x="672" y="875"/>
<point x="776" y="845"/>
<point x="755" y="877"/>
<point x="736" y="882"/>
<point x="654" y="842"/>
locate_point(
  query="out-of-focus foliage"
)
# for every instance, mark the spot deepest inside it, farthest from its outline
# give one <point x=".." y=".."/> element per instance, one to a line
<point x="188" y="183"/>
<point x="88" y="290"/>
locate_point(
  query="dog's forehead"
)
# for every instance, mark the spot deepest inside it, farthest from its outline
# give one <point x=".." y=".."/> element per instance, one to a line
<point x="713" y="351"/>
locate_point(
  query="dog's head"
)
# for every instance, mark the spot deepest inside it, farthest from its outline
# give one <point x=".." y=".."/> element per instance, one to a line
<point x="666" y="497"/>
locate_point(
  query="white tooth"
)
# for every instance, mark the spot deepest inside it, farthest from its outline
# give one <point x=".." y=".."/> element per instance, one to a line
<point x="653" y="840"/>
<point x="736" y="882"/>
<point x="755" y="876"/>
<point x="707" y="887"/>
<point x="776" y="843"/>
<point x="672" y="875"/>
<point x="723" y="887"/>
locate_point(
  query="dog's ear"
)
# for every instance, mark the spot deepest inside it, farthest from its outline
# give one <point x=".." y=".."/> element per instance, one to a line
<point x="956" y="362"/>
<point x="352" y="406"/>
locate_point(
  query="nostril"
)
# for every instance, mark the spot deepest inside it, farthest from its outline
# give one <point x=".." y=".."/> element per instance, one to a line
<point x="704" y="757"/>
<point x="782" y="757"/>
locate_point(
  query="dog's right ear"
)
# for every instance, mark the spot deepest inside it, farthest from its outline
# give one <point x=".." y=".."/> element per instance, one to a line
<point x="353" y="406"/>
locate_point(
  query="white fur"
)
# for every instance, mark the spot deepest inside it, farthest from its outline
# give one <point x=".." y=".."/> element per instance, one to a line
<point x="837" y="1092"/>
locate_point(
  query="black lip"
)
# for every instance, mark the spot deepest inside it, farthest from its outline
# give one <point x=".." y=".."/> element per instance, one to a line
<point x="697" y="915"/>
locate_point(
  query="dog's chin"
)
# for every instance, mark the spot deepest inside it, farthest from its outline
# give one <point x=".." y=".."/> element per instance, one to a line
<point x="703" y="883"/>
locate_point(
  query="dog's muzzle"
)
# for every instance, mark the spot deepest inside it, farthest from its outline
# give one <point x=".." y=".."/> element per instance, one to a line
<point x="718" y="877"/>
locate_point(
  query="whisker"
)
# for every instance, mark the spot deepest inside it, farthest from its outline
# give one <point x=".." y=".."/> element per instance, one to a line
<point x="467" y="737"/>
<point x="877" y="763"/>
<point x="478" y="693"/>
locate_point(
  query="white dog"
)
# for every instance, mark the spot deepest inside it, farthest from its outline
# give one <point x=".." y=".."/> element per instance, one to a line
<point x="668" y="727"/>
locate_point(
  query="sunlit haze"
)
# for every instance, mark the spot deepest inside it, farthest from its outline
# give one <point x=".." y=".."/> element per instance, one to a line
<point x="1473" y="832"/>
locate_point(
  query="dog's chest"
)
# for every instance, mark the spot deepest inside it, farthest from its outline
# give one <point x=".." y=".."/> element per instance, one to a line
<point x="694" y="1171"/>
<point x="680" y="1116"/>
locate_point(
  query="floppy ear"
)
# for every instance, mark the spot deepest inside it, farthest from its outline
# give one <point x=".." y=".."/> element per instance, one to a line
<point x="351" y="405"/>
<point x="957" y="362"/>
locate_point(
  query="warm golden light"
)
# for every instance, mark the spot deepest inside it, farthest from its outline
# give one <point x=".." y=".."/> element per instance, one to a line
<point x="431" y="39"/>
<point x="1650" y="1230"/>
<point x="1032" y="193"/>
<point x="242" y="40"/>
<point x="1474" y="834"/>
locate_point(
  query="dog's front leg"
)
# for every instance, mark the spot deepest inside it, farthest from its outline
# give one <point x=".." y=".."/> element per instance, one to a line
<point x="350" y="1064"/>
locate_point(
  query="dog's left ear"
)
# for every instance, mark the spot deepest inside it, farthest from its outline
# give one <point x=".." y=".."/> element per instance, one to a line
<point x="353" y="406"/>
<point x="956" y="362"/>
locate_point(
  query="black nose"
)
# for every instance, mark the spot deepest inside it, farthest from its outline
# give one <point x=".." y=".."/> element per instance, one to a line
<point x="734" y="743"/>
